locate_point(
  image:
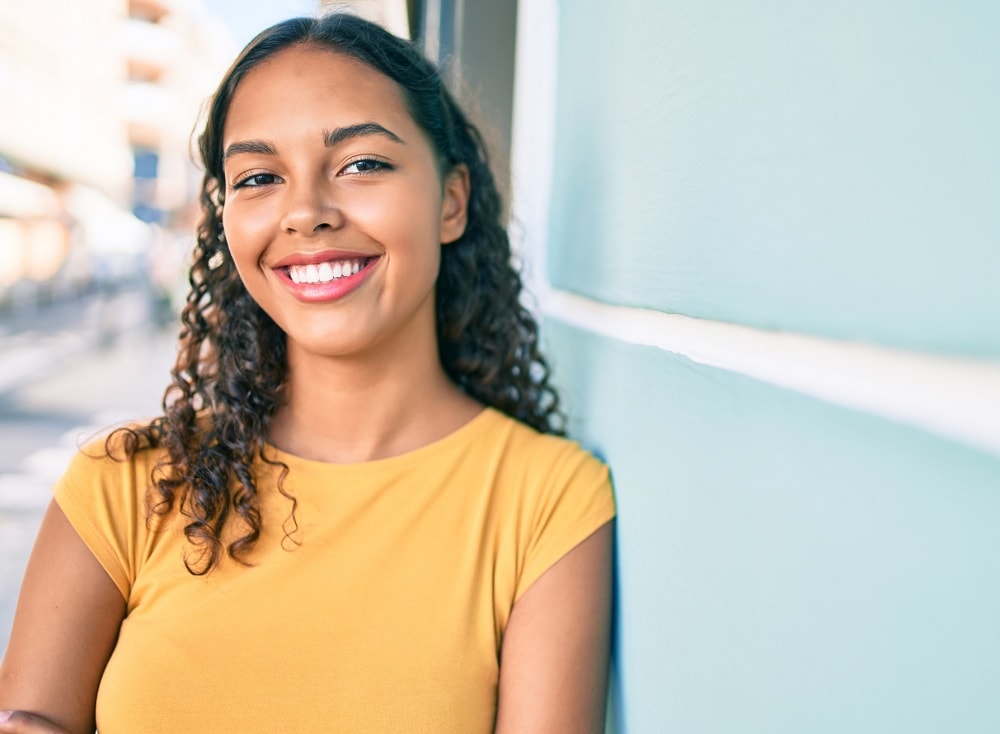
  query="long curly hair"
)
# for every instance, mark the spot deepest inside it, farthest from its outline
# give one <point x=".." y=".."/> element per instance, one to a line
<point x="231" y="365"/>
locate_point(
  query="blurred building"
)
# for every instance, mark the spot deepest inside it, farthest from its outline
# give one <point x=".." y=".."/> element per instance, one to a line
<point x="174" y="53"/>
<point x="100" y="100"/>
<point x="475" y="43"/>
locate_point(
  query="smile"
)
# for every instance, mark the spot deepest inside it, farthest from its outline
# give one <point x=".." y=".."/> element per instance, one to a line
<point x="325" y="272"/>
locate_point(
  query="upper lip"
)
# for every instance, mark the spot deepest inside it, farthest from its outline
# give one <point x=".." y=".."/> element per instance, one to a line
<point x="314" y="258"/>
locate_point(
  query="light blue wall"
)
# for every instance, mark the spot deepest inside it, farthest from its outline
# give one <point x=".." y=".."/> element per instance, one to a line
<point x="830" y="169"/>
<point x="785" y="565"/>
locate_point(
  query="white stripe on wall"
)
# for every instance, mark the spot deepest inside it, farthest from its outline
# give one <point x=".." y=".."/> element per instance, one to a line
<point x="954" y="398"/>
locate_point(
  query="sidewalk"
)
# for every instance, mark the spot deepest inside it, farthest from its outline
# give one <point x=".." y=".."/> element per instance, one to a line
<point x="57" y="387"/>
<point x="36" y="342"/>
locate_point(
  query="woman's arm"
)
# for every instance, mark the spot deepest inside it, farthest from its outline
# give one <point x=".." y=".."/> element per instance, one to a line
<point x="65" y="628"/>
<point x="554" y="656"/>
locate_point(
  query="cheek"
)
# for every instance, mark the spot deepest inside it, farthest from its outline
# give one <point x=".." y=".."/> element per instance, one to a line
<point x="246" y="232"/>
<point x="411" y="216"/>
<point x="243" y="252"/>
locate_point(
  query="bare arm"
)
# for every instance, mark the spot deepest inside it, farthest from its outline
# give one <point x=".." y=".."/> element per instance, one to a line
<point x="554" y="656"/>
<point x="65" y="628"/>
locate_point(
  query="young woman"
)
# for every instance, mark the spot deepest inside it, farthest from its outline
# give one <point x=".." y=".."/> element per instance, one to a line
<point x="354" y="515"/>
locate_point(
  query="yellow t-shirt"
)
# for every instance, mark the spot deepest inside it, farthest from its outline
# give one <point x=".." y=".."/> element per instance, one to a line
<point x="388" y="615"/>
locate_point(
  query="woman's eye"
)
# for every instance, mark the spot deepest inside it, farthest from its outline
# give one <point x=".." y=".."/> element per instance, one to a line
<point x="255" y="180"/>
<point x="365" y="165"/>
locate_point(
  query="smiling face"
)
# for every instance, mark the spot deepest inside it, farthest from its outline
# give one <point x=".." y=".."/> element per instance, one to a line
<point x="335" y="210"/>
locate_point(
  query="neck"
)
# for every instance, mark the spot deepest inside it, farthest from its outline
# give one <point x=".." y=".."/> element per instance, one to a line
<point x="362" y="408"/>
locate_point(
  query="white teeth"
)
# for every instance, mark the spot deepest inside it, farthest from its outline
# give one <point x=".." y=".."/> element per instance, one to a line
<point x="324" y="272"/>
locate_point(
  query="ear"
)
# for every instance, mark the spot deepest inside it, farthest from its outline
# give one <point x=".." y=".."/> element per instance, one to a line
<point x="455" y="204"/>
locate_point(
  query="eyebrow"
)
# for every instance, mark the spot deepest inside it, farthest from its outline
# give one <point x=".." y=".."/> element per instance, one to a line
<point x="356" y="131"/>
<point x="248" y="146"/>
<point x="330" y="139"/>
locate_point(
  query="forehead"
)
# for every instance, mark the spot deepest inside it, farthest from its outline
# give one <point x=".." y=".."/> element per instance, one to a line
<point x="307" y="85"/>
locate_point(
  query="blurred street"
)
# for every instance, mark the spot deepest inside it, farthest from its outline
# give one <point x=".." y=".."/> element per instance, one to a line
<point x="66" y="371"/>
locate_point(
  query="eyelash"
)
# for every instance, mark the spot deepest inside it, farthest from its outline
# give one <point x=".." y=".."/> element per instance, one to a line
<point x="244" y="182"/>
<point x="379" y="165"/>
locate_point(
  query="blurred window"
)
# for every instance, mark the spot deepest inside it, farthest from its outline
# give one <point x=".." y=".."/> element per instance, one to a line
<point x="150" y="11"/>
<point x="146" y="163"/>
<point x="144" y="72"/>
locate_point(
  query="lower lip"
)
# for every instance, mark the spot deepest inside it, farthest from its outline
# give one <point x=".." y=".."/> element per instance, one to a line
<point x="330" y="291"/>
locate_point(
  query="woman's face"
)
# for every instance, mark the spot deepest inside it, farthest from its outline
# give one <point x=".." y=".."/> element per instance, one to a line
<point x="335" y="211"/>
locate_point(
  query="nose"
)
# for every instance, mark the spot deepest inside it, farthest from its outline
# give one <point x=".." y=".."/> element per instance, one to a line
<point x="310" y="208"/>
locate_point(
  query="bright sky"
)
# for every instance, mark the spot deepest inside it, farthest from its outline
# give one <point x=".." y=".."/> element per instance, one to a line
<point x="246" y="18"/>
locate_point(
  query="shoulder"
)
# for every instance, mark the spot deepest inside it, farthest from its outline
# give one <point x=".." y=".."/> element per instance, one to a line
<point x="114" y="450"/>
<point x="558" y="490"/>
<point x="547" y="458"/>
<point x="550" y="493"/>
<point x="111" y="472"/>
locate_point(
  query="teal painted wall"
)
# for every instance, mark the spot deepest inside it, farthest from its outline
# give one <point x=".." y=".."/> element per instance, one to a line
<point x="824" y="167"/>
<point x="830" y="169"/>
<point x="786" y="565"/>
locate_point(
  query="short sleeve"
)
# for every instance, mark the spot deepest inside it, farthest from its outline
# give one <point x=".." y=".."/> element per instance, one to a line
<point x="575" y="499"/>
<point x="99" y="497"/>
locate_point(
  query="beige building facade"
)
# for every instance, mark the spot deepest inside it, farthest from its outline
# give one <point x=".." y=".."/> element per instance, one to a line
<point x="101" y="97"/>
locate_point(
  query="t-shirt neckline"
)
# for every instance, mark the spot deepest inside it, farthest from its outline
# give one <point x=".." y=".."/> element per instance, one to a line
<point x="463" y="435"/>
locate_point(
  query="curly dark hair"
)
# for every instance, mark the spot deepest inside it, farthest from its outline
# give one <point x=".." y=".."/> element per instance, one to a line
<point x="231" y="366"/>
